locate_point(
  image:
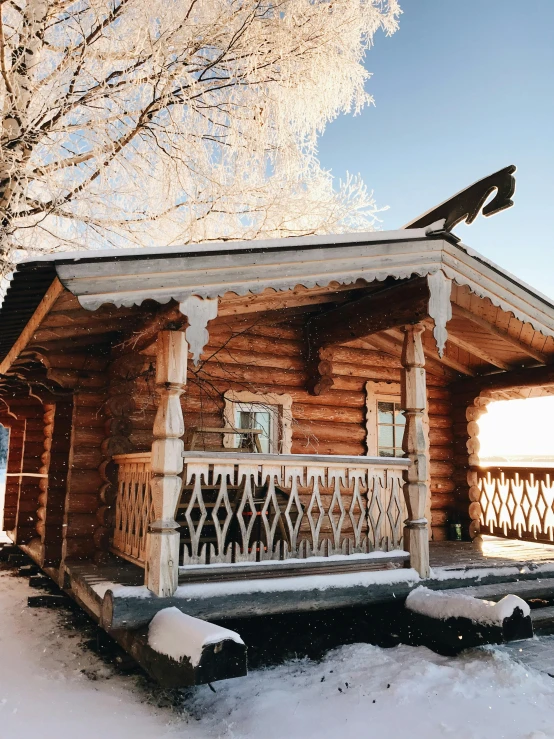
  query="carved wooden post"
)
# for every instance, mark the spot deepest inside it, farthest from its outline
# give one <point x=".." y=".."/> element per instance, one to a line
<point x="162" y="554"/>
<point x="416" y="485"/>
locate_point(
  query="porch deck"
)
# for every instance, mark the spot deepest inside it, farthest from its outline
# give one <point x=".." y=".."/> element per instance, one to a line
<point x="454" y="564"/>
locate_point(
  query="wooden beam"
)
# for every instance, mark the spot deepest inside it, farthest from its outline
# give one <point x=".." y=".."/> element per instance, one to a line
<point x="459" y="312"/>
<point x="472" y="348"/>
<point x="55" y="289"/>
<point x="526" y="377"/>
<point x="403" y="303"/>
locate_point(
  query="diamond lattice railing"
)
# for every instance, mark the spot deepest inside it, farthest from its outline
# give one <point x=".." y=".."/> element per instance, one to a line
<point x="517" y="502"/>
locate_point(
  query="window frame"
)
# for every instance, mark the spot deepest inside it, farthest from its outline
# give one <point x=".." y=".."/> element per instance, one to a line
<point x="282" y="403"/>
<point x="378" y="392"/>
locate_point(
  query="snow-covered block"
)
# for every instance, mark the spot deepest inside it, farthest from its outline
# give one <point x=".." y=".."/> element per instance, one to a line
<point x="441" y="604"/>
<point x="450" y="622"/>
<point x="179" y="636"/>
<point x="178" y="650"/>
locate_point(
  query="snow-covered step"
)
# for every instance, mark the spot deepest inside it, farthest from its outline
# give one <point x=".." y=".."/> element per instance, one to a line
<point x="526" y="589"/>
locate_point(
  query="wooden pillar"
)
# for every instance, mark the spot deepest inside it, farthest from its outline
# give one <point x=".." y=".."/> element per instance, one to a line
<point x="415" y="446"/>
<point x="162" y="555"/>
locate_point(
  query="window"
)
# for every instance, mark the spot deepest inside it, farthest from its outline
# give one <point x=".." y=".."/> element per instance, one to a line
<point x="264" y="418"/>
<point x="390" y="429"/>
<point x="271" y="413"/>
<point x="384" y="419"/>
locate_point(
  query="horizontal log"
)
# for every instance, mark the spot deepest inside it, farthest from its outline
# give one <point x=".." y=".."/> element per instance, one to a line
<point x="86" y="458"/>
<point x="323" y="431"/>
<point x="245" y="375"/>
<point x="199" y="420"/>
<point x="439" y="393"/>
<point x="360" y="357"/>
<point x="80" y="525"/>
<point x="83" y="436"/>
<point x="440" y="453"/>
<point x="330" y="414"/>
<point x="442" y="485"/>
<point x="440" y="533"/>
<point x="77" y="361"/>
<point x="205" y="403"/>
<point x="84" y="503"/>
<point x="84" y="482"/>
<point x="140" y="440"/>
<point x="440" y="436"/>
<point x="369" y="371"/>
<point x="439" y="407"/>
<point x="333" y="398"/>
<point x="129" y="366"/>
<point x="404" y="302"/>
<point x="89" y="418"/>
<point x="441" y="469"/>
<point x="138" y="421"/>
<point x="443" y="502"/>
<point x="439" y="517"/>
<point x="89" y="399"/>
<point x="249" y="342"/>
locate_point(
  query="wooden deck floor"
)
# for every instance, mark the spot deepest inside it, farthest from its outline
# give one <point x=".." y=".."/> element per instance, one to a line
<point x="454" y="565"/>
<point x="495" y="553"/>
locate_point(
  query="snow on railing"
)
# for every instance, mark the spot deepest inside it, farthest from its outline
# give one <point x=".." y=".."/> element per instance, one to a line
<point x="254" y="507"/>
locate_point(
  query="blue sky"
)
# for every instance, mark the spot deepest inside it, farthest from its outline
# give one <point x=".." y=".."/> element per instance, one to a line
<point x="465" y="87"/>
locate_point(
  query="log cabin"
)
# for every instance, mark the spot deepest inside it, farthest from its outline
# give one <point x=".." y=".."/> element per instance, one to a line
<point x="243" y="428"/>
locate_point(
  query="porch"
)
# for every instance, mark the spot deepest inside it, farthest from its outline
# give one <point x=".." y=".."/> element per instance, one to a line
<point x="245" y="517"/>
<point x="115" y="595"/>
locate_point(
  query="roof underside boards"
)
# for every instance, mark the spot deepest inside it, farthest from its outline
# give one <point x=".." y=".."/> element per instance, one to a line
<point x="498" y="323"/>
<point x="130" y="281"/>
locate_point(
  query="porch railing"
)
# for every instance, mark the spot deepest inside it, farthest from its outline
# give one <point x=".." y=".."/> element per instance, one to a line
<point x="133" y="506"/>
<point x="517" y="502"/>
<point x="255" y="507"/>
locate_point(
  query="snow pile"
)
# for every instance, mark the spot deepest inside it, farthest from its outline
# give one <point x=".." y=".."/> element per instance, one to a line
<point x="177" y="635"/>
<point x="53" y="689"/>
<point x="442" y="604"/>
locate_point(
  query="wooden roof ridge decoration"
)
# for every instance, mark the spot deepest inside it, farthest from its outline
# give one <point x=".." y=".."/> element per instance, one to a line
<point x="201" y="278"/>
<point x="468" y="203"/>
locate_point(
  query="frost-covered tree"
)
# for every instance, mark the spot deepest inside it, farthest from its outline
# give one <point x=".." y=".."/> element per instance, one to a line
<point x="140" y="122"/>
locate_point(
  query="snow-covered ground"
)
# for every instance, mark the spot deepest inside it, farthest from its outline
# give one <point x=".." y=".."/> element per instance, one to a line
<point x="53" y="688"/>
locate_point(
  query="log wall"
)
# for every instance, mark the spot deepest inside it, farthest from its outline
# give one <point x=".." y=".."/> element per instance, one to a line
<point x="265" y="358"/>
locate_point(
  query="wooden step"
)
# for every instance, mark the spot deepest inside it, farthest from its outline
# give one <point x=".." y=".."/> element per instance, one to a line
<point x="288" y="568"/>
<point x="543" y="619"/>
<point x="526" y="589"/>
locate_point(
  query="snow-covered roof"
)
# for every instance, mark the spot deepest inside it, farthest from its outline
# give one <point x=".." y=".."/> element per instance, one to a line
<point x="126" y="277"/>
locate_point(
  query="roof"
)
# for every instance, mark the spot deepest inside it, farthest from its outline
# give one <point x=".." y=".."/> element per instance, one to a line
<point x="126" y="277"/>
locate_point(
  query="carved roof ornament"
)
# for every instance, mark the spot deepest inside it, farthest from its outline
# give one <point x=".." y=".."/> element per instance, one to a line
<point x="467" y="204"/>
